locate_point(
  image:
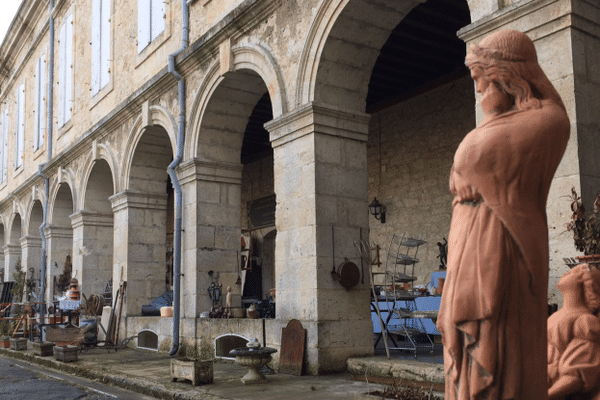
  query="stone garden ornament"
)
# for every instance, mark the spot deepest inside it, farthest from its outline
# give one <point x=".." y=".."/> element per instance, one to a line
<point x="574" y="338"/>
<point x="494" y="305"/>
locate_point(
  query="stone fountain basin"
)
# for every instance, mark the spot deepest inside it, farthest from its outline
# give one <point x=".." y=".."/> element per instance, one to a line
<point x="254" y="360"/>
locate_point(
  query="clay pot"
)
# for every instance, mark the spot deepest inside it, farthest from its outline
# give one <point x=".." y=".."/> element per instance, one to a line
<point x="252" y="312"/>
<point x="166" y="311"/>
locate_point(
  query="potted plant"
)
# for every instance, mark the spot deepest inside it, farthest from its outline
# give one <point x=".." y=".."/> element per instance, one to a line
<point x="585" y="228"/>
<point x="4" y="338"/>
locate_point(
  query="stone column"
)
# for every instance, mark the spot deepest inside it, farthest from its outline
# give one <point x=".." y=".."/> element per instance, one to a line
<point x="139" y="247"/>
<point x="211" y="224"/>
<point x="59" y="245"/>
<point x="93" y="250"/>
<point x="31" y="250"/>
<point x="320" y="157"/>
<point x="12" y="254"/>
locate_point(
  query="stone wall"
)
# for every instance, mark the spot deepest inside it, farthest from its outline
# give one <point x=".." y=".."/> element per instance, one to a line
<point x="413" y="144"/>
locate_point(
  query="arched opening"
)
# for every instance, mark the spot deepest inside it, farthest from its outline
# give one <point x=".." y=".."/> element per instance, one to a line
<point x="225" y="343"/>
<point x="421" y="100"/>
<point x="59" y="235"/>
<point x="32" y="252"/>
<point x="93" y="232"/>
<point x="12" y="250"/>
<point x="232" y="136"/>
<point x="3" y="275"/>
<point x="148" y="340"/>
<point x="149" y="218"/>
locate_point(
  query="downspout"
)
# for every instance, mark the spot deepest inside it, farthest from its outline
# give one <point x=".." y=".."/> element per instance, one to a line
<point x="176" y="186"/>
<point x="41" y="166"/>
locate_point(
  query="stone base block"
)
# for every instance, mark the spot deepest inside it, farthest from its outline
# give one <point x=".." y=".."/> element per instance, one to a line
<point x="43" y="349"/>
<point x="196" y="371"/>
<point x="65" y="353"/>
<point x="18" y="343"/>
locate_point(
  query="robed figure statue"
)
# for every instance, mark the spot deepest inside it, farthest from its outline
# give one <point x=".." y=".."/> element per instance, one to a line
<point x="494" y="305"/>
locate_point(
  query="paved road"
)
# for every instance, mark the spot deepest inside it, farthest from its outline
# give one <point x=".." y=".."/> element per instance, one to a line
<point x="22" y="380"/>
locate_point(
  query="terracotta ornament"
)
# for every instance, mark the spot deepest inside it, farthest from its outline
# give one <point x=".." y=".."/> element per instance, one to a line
<point x="494" y="305"/>
<point x="574" y="337"/>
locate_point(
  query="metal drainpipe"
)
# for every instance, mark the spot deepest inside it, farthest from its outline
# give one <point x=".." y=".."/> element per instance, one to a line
<point x="175" y="181"/>
<point x="41" y="166"/>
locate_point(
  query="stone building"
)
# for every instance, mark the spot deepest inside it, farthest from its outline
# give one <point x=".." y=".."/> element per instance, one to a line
<point x="143" y="138"/>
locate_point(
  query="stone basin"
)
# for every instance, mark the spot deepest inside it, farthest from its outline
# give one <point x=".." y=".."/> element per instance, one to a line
<point x="254" y="359"/>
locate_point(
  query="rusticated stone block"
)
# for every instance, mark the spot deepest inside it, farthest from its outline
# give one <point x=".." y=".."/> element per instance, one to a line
<point x="18" y="343"/>
<point x="196" y="371"/>
<point x="65" y="353"/>
<point x="43" y="349"/>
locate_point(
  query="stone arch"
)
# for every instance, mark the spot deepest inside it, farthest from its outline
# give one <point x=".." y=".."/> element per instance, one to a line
<point x="157" y="116"/>
<point x="336" y="71"/>
<point x="64" y="176"/>
<point x="103" y="153"/>
<point x="16" y="224"/>
<point x="245" y="57"/>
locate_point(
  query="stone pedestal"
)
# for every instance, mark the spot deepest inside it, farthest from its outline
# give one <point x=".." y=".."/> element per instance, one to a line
<point x="43" y="349"/>
<point x="18" y="343"/>
<point x="65" y="353"/>
<point x="193" y="370"/>
<point x="253" y="359"/>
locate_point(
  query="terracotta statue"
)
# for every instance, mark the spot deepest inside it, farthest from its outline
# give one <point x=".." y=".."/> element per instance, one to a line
<point x="494" y="304"/>
<point x="574" y="338"/>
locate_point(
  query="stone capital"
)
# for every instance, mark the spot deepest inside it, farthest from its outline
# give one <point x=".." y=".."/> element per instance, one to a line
<point x="90" y="218"/>
<point x="198" y="170"/>
<point x="12" y="249"/>
<point x="52" y="231"/>
<point x="131" y="199"/>
<point x="321" y="119"/>
<point x="31" y="241"/>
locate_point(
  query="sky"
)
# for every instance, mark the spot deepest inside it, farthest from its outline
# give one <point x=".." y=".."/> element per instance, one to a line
<point x="9" y="9"/>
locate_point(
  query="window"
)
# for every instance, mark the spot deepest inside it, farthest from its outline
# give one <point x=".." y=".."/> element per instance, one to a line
<point x="100" y="44"/>
<point x="20" y="126"/>
<point x="3" y="145"/>
<point x="40" y="102"/>
<point x="151" y="21"/>
<point x="65" y="72"/>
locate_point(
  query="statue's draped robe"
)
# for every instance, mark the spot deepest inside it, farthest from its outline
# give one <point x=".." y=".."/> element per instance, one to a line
<point x="574" y="350"/>
<point x="494" y="306"/>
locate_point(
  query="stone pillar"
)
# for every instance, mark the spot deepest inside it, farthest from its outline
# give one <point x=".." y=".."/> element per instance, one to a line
<point x="93" y="250"/>
<point x="211" y="238"/>
<point x="31" y="250"/>
<point x="12" y="254"/>
<point x="139" y="247"/>
<point x="59" y="245"/>
<point x="565" y="34"/>
<point x="320" y="157"/>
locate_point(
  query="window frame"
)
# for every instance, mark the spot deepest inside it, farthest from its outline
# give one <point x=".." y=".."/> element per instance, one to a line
<point x="152" y="22"/>
<point x="20" y="127"/>
<point x="101" y="76"/>
<point x="40" y="93"/>
<point x="65" y="72"/>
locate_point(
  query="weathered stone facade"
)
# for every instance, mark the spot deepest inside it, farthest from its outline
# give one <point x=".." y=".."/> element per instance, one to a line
<point x="110" y="205"/>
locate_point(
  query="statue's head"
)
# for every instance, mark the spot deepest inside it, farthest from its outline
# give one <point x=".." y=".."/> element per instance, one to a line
<point x="586" y="279"/>
<point x="509" y="60"/>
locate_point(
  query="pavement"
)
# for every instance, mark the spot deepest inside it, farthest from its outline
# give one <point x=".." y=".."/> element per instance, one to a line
<point x="148" y="372"/>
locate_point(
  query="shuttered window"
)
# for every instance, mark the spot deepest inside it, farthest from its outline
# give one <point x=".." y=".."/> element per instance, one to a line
<point x="40" y="102"/>
<point x="100" y="44"/>
<point x="20" y="128"/>
<point x="3" y="145"/>
<point x="151" y="21"/>
<point x="65" y="72"/>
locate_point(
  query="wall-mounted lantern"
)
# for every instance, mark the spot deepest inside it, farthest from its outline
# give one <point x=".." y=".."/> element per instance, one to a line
<point x="377" y="210"/>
